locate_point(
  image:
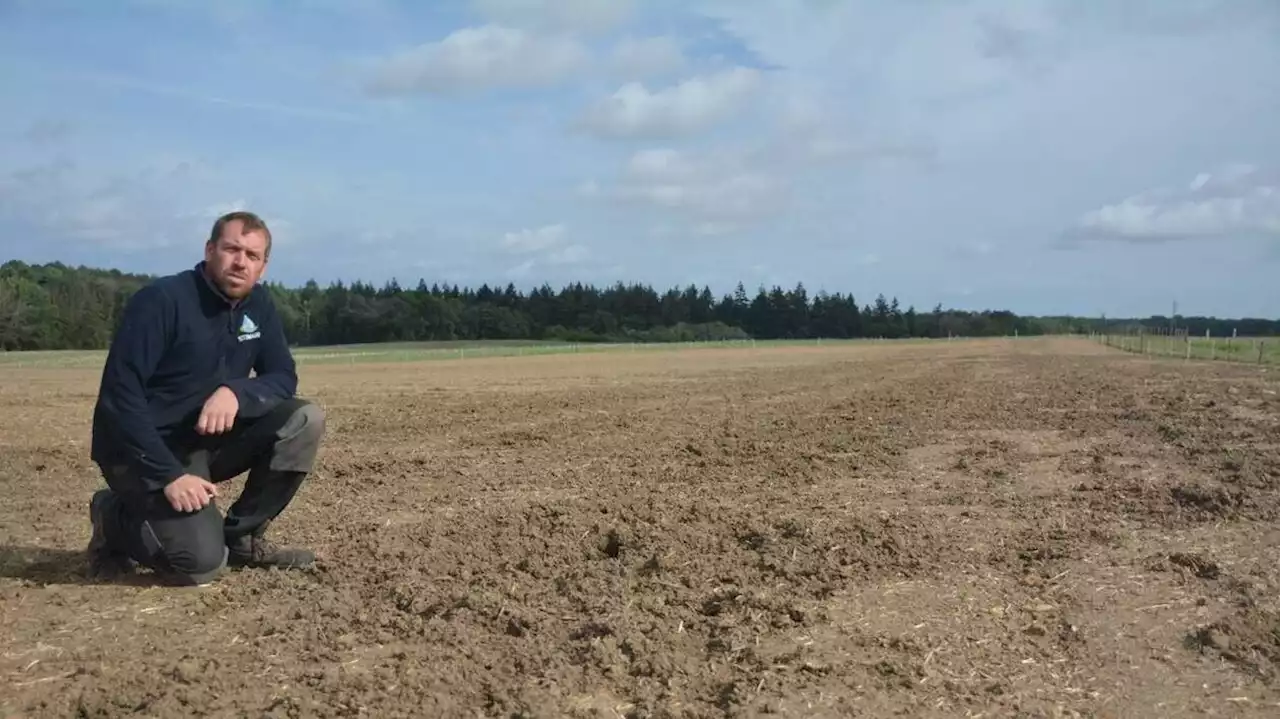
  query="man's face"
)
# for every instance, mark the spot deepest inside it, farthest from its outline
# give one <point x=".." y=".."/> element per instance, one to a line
<point x="236" y="261"/>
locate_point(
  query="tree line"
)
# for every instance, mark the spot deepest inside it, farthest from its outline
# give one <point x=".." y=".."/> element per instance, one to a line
<point x="55" y="306"/>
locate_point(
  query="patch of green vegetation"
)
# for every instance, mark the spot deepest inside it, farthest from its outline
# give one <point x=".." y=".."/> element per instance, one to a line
<point x="450" y="350"/>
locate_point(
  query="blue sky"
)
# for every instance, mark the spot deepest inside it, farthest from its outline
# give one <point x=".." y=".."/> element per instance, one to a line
<point x="1038" y="155"/>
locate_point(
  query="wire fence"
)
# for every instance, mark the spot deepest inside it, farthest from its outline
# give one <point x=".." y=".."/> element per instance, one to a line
<point x="1180" y="344"/>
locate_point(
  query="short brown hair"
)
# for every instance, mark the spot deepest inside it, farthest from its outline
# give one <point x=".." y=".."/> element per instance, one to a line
<point x="249" y="222"/>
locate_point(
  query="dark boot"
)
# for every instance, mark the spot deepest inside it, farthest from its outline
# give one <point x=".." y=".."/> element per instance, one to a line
<point x="105" y="562"/>
<point x="254" y="550"/>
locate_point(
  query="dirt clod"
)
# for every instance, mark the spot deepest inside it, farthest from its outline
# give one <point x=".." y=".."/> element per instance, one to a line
<point x="1196" y="564"/>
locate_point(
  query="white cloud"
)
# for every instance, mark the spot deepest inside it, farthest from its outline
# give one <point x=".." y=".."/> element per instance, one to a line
<point x="731" y="196"/>
<point x="146" y="207"/>
<point x="102" y="219"/>
<point x="577" y="15"/>
<point x="811" y="122"/>
<point x="659" y="164"/>
<point x="158" y="204"/>
<point x="199" y="222"/>
<point x="640" y="58"/>
<point x="571" y="255"/>
<point x="691" y="106"/>
<point x="521" y="270"/>
<point x="479" y="58"/>
<point x="1234" y="200"/>
<point x="544" y="245"/>
<point x="715" y="190"/>
<point x="534" y="240"/>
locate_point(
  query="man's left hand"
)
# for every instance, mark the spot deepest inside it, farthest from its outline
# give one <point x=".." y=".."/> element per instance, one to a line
<point x="219" y="412"/>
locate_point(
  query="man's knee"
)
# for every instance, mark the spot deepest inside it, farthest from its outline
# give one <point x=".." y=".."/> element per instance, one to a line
<point x="200" y="566"/>
<point x="298" y="439"/>
<point x="190" y="549"/>
<point x="306" y="425"/>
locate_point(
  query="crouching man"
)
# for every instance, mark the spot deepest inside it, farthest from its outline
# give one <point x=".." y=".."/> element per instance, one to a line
<point x="178" y="413"/>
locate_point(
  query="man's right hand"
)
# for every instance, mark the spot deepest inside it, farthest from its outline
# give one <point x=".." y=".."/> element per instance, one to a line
<point x="190" y="493"/>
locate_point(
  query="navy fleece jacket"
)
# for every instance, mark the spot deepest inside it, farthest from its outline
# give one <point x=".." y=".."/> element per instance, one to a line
<point x="179" y="340"/>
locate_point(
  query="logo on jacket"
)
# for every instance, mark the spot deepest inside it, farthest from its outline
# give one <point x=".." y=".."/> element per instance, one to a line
<point x="248" y="329"/>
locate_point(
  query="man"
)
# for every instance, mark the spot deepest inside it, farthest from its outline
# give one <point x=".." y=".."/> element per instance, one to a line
<point x="178" y="413"/>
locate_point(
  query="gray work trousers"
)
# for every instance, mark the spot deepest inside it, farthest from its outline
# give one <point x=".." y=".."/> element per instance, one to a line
<point x="278" y="450"/>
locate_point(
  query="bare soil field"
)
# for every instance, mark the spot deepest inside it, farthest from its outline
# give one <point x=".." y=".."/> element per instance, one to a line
<point x="1036" y="528"/>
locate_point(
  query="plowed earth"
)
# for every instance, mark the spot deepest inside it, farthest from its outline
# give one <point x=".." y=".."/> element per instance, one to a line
<point x="1034" y="528"/>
